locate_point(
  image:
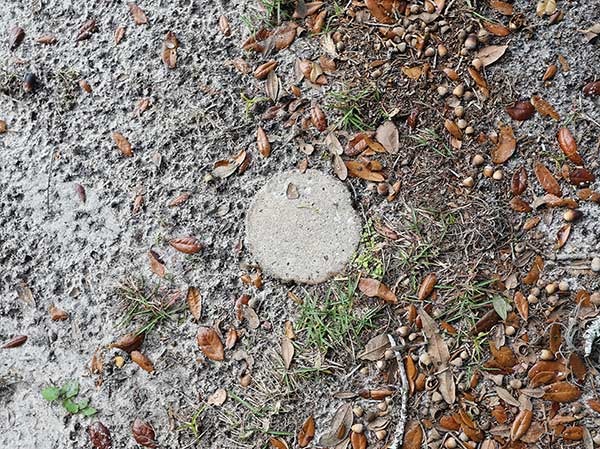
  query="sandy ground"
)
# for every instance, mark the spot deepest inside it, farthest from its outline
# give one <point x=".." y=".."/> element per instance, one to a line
<point x="56" y="249"/>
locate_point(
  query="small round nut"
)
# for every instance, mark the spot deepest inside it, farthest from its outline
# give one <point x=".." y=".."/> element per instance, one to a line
<point x="459" y="90"/>
<point x="477" y="63"/>
<point x="450" y="443"/>
<point x="551" y="288"/>
<point x="468" y="182"/>
<point x="425" y="359"/>
<point x="442" y="50"/>
<point x="595" y="266"/>
<point x="380" y="364"/>
<point x="498" y="175"/>
<point x="509" y="330"/>
<point x="403" y="331"/>
<point x="119" y="361"/>
<point x="546" y="354"/>
<point x="478" y="160"/>
<point x="563" y="286"/>
<point x="388" y="354"/>
<point x="442" y="91"/>
<point x="488" y="171"/>
<point x="532" y="299"/>
<point x="358" y="411"/>
<point x="358" y="428"/>
<point x="380" y="434"/>
<point x="515" y="384"/>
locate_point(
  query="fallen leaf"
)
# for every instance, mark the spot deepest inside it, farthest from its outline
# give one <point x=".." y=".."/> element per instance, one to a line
<point x="139" y="17"/>
<point x="414" y="436"/>
<point x="156" y="264"/>
<point x="561" y="392"/>
<point x="519" y="181"/>
<point x="358" y="169"/>
<point x="307" y="432"/>
<point x="86" y="30"/>
<point x="573" y="433"/>
<point x="318" y="118"/>
<point x="277" y="443"/>
<point x="99" y="435"/>
<point x="339" y="427"/>
<point x="262" y="142"/>
<point x="569" y="146"/>
<point x="119" y="34"/>
<point x="547" y="179"/>
<point x="522" y="305"/>
<point x="577" y="366"/>
<point x="544" y="108"/>
<point x="15" y="342"/>
<point x="388" y="136"/>
<point x="129" y="342"/>
<point x="427" y="286"/>
<point x="194" y="302"/>
<point x="592" y="88"/>
<point x="169" y="50"/>
<point x="273" y="86"/>
<point x="521" y="424"/>
<point x="179" y="200"/>
<point x="16" y="36"/>
<point x="562" y="236"/>
<point x="520" y="110"/>
<point x="143" y="361"/>
<point x="287" y="351"/>
<point x="579" y="176"/>
<point x="218" y="398"/>
<point x="187" y="245"/>
<point x="224" y="26"/>
<point x="57" y="314"/>
<point x="358" y="440"/>
<point x="502" y="7"/>
<point x="490" y="54"/>
<point x="122" y="144"/>
<point x="210" y="343"/>
<point x="497" y="29"/>
<point x="381" y="12"/>
<point x="373" y="288"/>
<point x="143" y="434"/>
<point x="453" y="129"/>
<point x="375" y="348"/>
<point x="506" y="145"/>
<point x="339" y="168"/>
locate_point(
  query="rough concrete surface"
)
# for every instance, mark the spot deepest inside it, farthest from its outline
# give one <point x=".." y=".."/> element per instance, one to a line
<point x="302" y="227"/>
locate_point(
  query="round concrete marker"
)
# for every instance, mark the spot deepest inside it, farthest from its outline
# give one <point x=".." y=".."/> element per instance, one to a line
<point x="302" y="227"/>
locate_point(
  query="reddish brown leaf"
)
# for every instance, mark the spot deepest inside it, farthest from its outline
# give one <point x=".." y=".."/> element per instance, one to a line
<point x="522" y="305"/>
<point x="122" y="144"/>
<point x="156" y="264"/>
<point x="57" y="314"/>
<point x="503" y="356"/>
<point x="224" y="26"/>
<point x="143" y="361"/>
<point x="550" y="72"/>
<point x="573" y="433"/>
<point x="502" y="7"/>
<point x="358" y="440"/>
<point x="374" y="288"/>
<point x="534" y="273"/>
<point x="519" y="205"/>
<point x="129" y="342"/>
<point x="307" y="432"/>
<point x="562" y="236"/>
<point x="427" y="286"/>
<point x="577" y="366"/>
<point x="569" y="146"/>
<point x="187" y="245"/>
<point x="519" y="181"/>
<point x="453" y="129"/>
<point x="358" y="169"/>
<point x="210" y="343"/>
<point x="594" y="405"/>
<point x="194" y="302"/>
<point x="520" y="110"/>
<point x="144" y="434"/>
<point x="486" y="322"/>
<point x="17" y="34"/>
<point x="547" y="179"/>
<point x="15" y="342"/>
<point x="561" y="392"/>
<point x="555" y="338"/>
<point x="262" y="71"/>
<point x="318" y="118"/>
<point x="119" y="34"/>
<point x="521" y="424"/>
<point x="580" y="176"/>
<point x="139" y="16"/>
<point x="380" y="10"/>
<point x="544" y="108"/>
<point x="262" y="142"/>
<point x="179" y="200"/>
<point x="86" y="30"/>
<point x="169" y="50"/>
<point x="277" y="443"/>
<point x="592" y="88"/>
<point x="496" y="29"/>
<point x="99" y="435"/>
<point x="413" y="437"/>
<point x="506" y="145"/>
<point x="284" y="35"/>
<point x="47" y="39"/>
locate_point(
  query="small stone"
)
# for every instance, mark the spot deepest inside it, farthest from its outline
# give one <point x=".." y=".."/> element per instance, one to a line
<point x="357" y="428"/>
<point x="429" y="52"/>
<point x="469" y="130"/>
<point x="451" y="443"/>
<point x="442" y="91"/>
<point x="478" y="160"/>
<point x="532" y="299"/>
<point x="413" y="336"/>
<point x="119" y="361"/>
<point x="498" y="175"/>
<point x="358" y="411"/>
<point x="515" y="384"/>
<point x="436" y="396"/>
<point x="380" y="364"/>
<point x="442" y="50"/>
<point x="464" y="355"/>
<point x="388" y="354"/>
<point x="571" y="215"/>
<point x="471" y="42"/>
<point x="563" y="286"/>
<point x="477" y="63"/>
<point x="380" y="434"/>
<point x="456" y="362"/>
<point x="595" y="298"/>
<point x="535" y="291"/>
<point x="364" y="371"/>
<point x="546" y="354"/>
<point x="459" y="90"/>
<point x="461" y="123"/>
<point x="459" y="111"/>
<point x="596" y="264"/>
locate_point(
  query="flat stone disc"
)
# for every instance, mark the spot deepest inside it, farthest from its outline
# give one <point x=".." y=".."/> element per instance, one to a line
<point x="301" y="227"/>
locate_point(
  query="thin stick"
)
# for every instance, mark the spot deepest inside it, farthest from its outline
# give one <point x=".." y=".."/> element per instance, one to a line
<point x="399" y="432"/>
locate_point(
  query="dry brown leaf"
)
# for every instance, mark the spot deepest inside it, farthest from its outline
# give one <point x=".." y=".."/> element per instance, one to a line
<point x="453" y="129"/>
<point x="129" y="342"/>
<point x="497" y="29"/>
<point x="138" y="14"/>
<point x="358" y="169"/>
<point x="339" y="168"/>
<point x="373" y="288"/>
<point x="143" y="434"/>
<point x="169" y="50"/>
<point x="86" y="30"/>
<point x="522" y="305"/>
<point x="277" y="443"/>
<point x="388" y="136"/>
<point x="519" y="181"/>
<point x="561" y="392"/>
<point x="179" y="200"/>
<point x="318" y="118"/>
<point x="427" y="286"/>
<point x="122" y="144"/>
<point x="506" y="145"/>
<point x="414" y="436"/>
<point x="156" y="264"/>
<point x="287" y="351"/>
<point x="490" y="54"/>
<point x="224" y="26"/>
<point x="119" y="34"/>
<point x="273" y="86"/>
<point x="141" y="360"/>
<point x="210" y="343"/>
<point x="413" y="72"/>
<point x="580" y="176"/>
<point x="375" y="348"/>
<point x="520" y="110"/>
<point x="262" y="142"/>
<point x="544" y="108"/>
<point x="521" y="424"/>
<point x="547" y="179"/>
<point x="187" y="245"/>
<point x="577" y="366"/>
<point x="194" y="302"/>
<point x="307" y="432"/>
<point x="569" y="146"/>
<point x="358" y="440"/>
<point x="502" y="7"/>
<point x="562" y="236"/>
<point x="591" y="89"/>
<point x="381" y="10"/>
<point x="46" y="39"/>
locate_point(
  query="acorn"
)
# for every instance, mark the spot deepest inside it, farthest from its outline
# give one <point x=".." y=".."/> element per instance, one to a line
<point x="29" y="82"/>
<point x="572" y="215"/>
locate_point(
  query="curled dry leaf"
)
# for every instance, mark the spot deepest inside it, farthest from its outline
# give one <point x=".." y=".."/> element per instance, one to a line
<point x="562" y="236"/>
<point x="262" y="142"/>
<point x="373" y="288"/>
<point x="518" y="182"/>
<point x="218" y="398"/>
<point x="573" y="433"/>
<point x="496" y="29"/>
<point x="15" y="342"/>
<point x="119" y="34"/>
<point x="139" y="17"/>
<point x="86" y="30"/>
<point x="453" y="129"/>
<point x="358" y="440"/>
<point x="194" y="302"/>
<point x="179" y="200"/>
<point x="547" y="179"/>
<point x="414" y="436"/>
<point x="287" y="351"/>
<point x="122" y="144"/>
<point x="381" y="11"/>
<point x="427" y="286"/>
<point x="339" y="168"/>
<point x="506" y="145"/>
<point x="57" y="314"/>
<point x="544" y="108"/>
<point x="520" y="110"/>
<point x="318" y="118"/>
<point x="519" y="205"/>
<point x="99" y="435"/>
<point x="273" y="86"/>
<point x="156" y="264"/>
<point x="141" y="360"/>
<point x="46" y="39"/>
<point x="231" y="339"/>
<point x="375" y="348"/>
<point x="503" y="8"/>
<point x="521" y="424"/>
<point x="569" y="146"/>
<point x="561" y="392"/>
<point x="277" y="443"/>
<point x="17" y="34"/>
<point x="187" y="245"/>
<point x="490" y="54"/>
<point x="550" y="72"/>
<point x="224" y="26"/>
<point x="143" y="434"/>
<point x="169" y="50"/>
<point x="3" y="127"/>
<point x="577" y="366"/>
<point x="129" y="342"/>
<point x="522" y="305"/>
<point x="358" y="169"/>
<point x="388" y="136"/>
<point x="210" y="343"/>
<point x="579" y="176"/>
<point x="262" y="71"/>
<point x="307" y="432"/>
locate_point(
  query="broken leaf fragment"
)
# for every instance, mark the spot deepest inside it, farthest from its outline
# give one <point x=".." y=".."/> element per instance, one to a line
<point x="287" y="351"/>
<point x="186" y="245"/>
<point x="138" y="14"/>
<point x="490" y="54"/>
<point x="374" y="288"/>
<point x="194" y="302"/>
<point x="142" y="361"/>
<point x="169" y="50"/>
<point x="210" y="343"/>
<point x="375" y="348"/>
<point x="307" y="432"/>
<point x="122" y="144"/>
<point x="143" y="434"/>
<point x="506" y="145"/>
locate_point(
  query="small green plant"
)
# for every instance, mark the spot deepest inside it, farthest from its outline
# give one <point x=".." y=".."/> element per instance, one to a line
<point x="251" y="102"/>
<point x="66" y="395"/>
<point x="367" y="260"/>
<point x="352" y="106"/>
<point x="193" y="425"/>
<point x="429" y="138"/>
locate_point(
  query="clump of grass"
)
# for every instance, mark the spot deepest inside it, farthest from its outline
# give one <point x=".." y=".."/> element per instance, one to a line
<point x="270" y="13"/>
<point x="352" y="106"/>
<point x="368" y="260"/>
<point x="429" y="138"/>
<point x="332" y="323"/>
<point x="148" y="306"/>
<point x="194" y="424"/>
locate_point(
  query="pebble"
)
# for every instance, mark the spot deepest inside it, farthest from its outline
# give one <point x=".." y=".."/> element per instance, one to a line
<point x="119" y="361"/>
<point x="459" y="111"/>
<point x="532" y="299"/>
<point x="380" y="434"/>
<point x="413" y="336"/>
<point x="535" y="291"/>
<point x="451" y="443"/>
<point x="459" y="90"/>
<point x="464" y="355"/>
<point x="442" y="50"/>
<point x="596" y="264"/>
<point x="425" y="359"/>
<point x="364" y="371"/>
<point x="388" y="355"/>
<point x="469" y="130"/>
<point x="563" y="286"/>
<point x="436" y="396"/>
<point x="596" y="440"/>
<point x="380" y="364"/>
<point x="471" y="42"/>
<point x="461" y="123"/>
<point x="546" y="354"/>
<point x="358" y="428"/>
<point x="442" y="91"/>
<point x="595" y="298"/>
<point x="477" y="63"/>
<point x="516" y="384"/>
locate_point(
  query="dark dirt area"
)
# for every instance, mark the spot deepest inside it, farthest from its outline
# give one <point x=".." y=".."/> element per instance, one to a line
<point x="129" y="156"/>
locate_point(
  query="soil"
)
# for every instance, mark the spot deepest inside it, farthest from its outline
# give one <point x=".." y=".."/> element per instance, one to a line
<point x="81" y="255"/>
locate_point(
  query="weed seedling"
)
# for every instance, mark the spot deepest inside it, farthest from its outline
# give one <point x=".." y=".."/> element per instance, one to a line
<point x="67" y="394"/>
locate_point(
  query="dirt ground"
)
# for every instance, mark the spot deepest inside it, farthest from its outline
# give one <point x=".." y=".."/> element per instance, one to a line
<point x="88" y="255"/>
